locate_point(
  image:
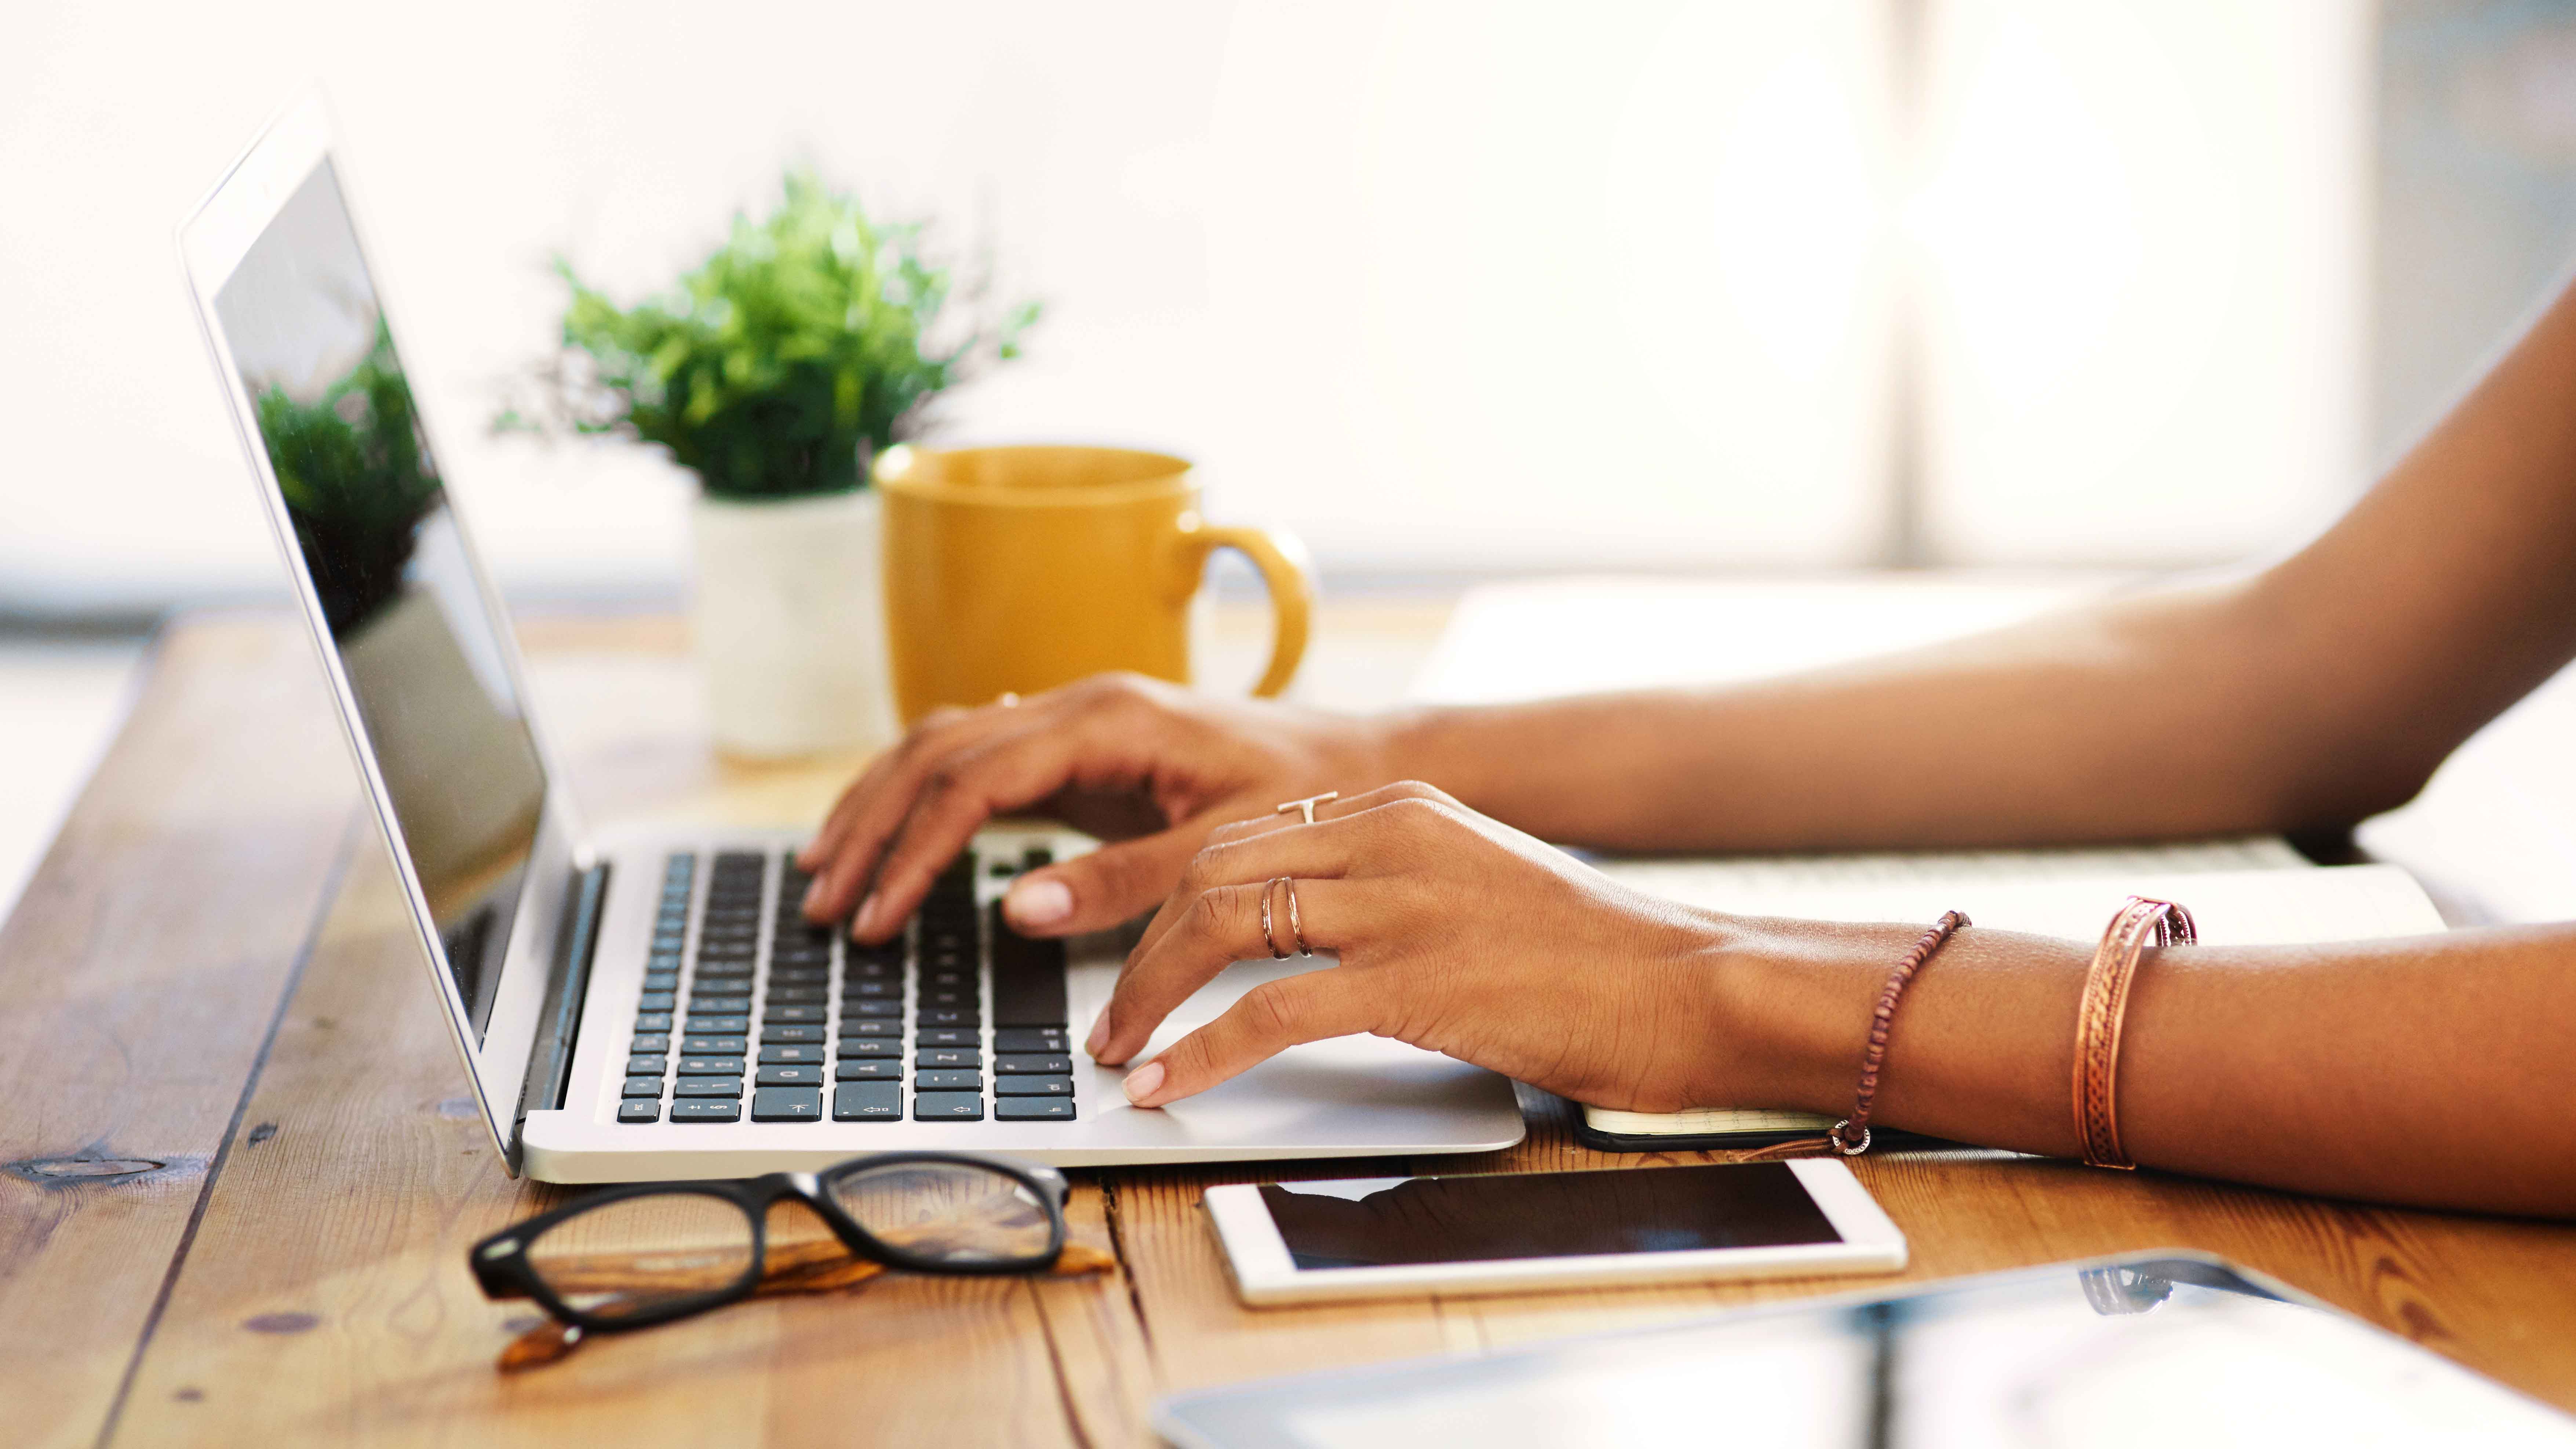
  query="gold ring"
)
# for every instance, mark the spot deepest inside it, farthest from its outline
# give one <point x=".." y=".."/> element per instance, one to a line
<point x="1296" y="927"/>
<point x="1268" y="937"/>
<point x="1007" y="700"/>
<point x="1306" y="807"/>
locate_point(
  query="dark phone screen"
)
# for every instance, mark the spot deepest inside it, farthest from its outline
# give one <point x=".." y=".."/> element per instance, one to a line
<point x="1372" y="1222"/>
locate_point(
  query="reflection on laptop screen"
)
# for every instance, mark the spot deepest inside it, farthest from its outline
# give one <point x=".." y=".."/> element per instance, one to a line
<point x="397" y="584"/>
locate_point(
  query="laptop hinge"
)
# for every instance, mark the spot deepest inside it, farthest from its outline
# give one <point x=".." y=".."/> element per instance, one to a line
<point x="559" y="1025"/>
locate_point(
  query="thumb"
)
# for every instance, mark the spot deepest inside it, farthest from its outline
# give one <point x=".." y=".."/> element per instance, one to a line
<point x="1110" y="885"/>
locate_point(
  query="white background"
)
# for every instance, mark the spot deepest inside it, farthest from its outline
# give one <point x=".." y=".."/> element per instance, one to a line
<point x="1442" y="286"/>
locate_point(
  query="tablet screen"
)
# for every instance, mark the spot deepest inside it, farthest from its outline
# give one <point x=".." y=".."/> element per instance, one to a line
<point x="1375" y="1222"/>
<point x="2147" y="1354"/>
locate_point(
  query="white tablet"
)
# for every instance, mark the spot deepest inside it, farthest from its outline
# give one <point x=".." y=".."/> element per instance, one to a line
<point x="1379" y="1237"/>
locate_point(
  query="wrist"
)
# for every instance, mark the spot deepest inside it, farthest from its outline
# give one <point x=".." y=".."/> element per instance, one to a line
<point x="1432" y="744"/>
<point x="1788" y="1006"/>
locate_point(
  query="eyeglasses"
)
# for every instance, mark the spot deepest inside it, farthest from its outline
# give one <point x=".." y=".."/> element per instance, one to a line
<point x="632" y="1257"/>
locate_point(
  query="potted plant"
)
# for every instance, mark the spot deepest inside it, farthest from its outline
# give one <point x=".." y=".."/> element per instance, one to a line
<point x="808" y="342"/>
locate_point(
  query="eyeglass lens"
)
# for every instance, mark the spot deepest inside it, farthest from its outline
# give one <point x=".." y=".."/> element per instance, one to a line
<point x="641" y="1253"/>
<point x="947" y="1212"/>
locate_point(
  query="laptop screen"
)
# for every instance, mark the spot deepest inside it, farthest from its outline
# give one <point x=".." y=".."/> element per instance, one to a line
<point x="399" y="589"/>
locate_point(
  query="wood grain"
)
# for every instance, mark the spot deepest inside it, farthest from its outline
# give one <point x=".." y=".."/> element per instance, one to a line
<point x="138" y="980"/>
<point x="324" y="1296"/>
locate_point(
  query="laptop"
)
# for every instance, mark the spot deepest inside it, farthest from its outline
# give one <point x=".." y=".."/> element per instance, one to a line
<point x="649" y="1003"/>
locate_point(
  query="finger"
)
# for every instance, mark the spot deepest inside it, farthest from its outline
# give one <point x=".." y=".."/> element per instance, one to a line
<point x="844" y="852"/>
<point x="1097" y="891"/>
<point x="958" y="795"/>
<point x="1270" y="1018"/>
<point x="1281" y="818"/>
<point x="1343" y="845"/>
<point x="938" y="723"/>
<point x="1217" y="929"/>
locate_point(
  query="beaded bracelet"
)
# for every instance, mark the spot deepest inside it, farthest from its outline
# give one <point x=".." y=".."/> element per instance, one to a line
<point x="2098" y="1019"/>
<point x="1850" y="1136"/>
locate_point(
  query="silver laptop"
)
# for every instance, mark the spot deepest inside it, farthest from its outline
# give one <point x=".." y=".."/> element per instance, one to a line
<point x="649" y="1003"/>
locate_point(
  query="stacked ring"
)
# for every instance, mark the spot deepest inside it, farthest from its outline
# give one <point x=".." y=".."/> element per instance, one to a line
<point x="1269" y="936"/>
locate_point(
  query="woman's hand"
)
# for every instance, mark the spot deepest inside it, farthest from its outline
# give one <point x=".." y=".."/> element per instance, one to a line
<point x="1147" y="765"/>
<point x="1455" y="933"/>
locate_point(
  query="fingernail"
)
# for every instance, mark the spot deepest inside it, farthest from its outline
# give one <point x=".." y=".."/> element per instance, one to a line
<point x="1039" y="902"/>
<point x="1099" y="1034"/>
<point x="1142" y="1082"/>
<point x="865" y="921"/>
<point x="813" y="895"/>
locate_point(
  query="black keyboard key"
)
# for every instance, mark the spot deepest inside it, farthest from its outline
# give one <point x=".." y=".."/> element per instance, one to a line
<point x="711" y="1046"/>
<point x="656" y="1001"/>
<point x="947" y="1036"/>
<point x="872" y="1046"/>
<point x="707" y="1109"/>
<point x="1032" y="1063"/>
<point x="872" y="1028"/>
<point x="868" y="1069"/>
<point x="948" y="1081"/>
<point x="950" y="1106"/>
<point x="708" y="1087"/>
<point x="710" y="972"/>
<point x="719" y="1025"/>
<point x="949" y="1017"/>
<point x="652" y="1021"/>
<point x="806" y="1075"/>
<point x="787" y="1104"/>
<point x="656" y="1042"/>
<point x="811" y="1035"/>
<point x="1033" y="1109"/>
<point x="950" y="996"/>
<point x="867" y="1102"/>
<point x="1030" y="1039"/>
<point x="640" y="1110"/>
<point x="948" y="1057"/>
<point x="661" y="980"/>
<point x="1028" y="977"/>
<point x="782" y="1056"/>
<point x="711" y="1066"/>
<point x="648" y="1064"/>
<point x="873" y="990"/>
<point x="797" y="995"/>
<point x="726" y="1004"/>
<point x="878" y="1010"/>
<point x="795" y="1014"/>
<point x="1033" y="1086"/>
<point x="642" y="1087"/>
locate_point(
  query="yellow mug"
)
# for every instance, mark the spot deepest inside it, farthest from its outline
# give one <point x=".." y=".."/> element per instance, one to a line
<point x="1019" y="569"/>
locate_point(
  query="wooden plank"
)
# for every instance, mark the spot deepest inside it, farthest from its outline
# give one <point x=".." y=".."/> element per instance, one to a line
<point x="327" y="1298"/>
<point x="139" y="978"/>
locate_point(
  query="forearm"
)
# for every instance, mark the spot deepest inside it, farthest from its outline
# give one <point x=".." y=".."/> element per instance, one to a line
<point x="2047" y="733"/>
<point x="2430" y="1070"/>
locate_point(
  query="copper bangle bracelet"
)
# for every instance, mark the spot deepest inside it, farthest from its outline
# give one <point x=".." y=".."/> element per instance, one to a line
<point x="1850" y="1136"/>
<point x="2105" y="1006"/>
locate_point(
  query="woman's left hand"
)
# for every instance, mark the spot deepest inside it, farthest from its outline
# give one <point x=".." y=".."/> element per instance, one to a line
<point x="1455" y="933"/>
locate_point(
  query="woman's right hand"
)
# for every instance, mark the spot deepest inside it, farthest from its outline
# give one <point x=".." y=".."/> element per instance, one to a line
<point x="1149" y="767"/>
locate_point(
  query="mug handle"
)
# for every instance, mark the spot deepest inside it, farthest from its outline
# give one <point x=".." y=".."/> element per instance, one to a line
<point x="1282" y="561"/>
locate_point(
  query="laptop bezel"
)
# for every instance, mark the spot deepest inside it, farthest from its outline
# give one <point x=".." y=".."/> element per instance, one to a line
<point x="213" y="241"/>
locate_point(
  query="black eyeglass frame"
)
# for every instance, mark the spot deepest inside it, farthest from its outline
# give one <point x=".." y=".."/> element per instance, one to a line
<point x="501" y="1267"/>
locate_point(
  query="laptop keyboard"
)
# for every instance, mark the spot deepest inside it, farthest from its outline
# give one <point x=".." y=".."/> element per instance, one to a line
<point x="960" y="1019"/>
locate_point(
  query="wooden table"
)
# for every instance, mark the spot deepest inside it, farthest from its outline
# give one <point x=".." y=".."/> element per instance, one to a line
<point x="238" y="1169"/>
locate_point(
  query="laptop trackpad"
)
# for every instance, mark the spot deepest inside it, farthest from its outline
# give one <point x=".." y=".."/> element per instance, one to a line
<point x="1366" y="1072"/>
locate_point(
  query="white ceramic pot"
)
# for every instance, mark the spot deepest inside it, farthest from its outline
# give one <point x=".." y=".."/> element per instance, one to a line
<point x="789" y="617"/>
